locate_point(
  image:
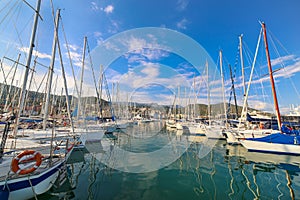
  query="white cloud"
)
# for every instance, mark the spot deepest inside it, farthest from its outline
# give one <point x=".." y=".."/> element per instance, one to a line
<point x="35" y="53"/>
<point x="288" y="71"/>
<point x="141" y="55"/>
<point x="151" y="70"/>
<point x="182" y="24"/>
<point x="108" y="9"/>
<point x="76" y="58"/>
<point x="261" y="105"/>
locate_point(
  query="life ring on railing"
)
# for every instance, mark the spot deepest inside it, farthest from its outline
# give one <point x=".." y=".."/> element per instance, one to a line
<point x="17" y="160"/>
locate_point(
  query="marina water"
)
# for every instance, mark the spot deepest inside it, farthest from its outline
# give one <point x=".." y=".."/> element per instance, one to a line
<point x="225" y="172"/>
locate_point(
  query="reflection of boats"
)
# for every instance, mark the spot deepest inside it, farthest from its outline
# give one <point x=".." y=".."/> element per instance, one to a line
<point x="263" y="165"/>
<point x="171" y="123"/>
<point x="65" y="185"/>
<point x="240" y="151"/>
<point x="197" y="139"/>
<point x="196" y="128"/>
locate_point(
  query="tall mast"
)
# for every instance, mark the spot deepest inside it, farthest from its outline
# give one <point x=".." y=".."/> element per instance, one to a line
<point x="179" y="111"/>
<point x="271" y="77"/>
<point x="208" y="94"/>
<point x="242" y="62"/>
<point x="223" y="90"/>
<point x="243" y="114"/>
<point x="100" y="88"/>
<point x="51" y="69"/>
<point x="65" y="87"/>
<point x="31" y="46"/>
<point x="243" y="67"/>
<point x="81" y="78"/>
<point x="233" y="89"/>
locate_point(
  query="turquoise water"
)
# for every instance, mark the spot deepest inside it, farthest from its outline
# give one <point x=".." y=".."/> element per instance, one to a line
<point x="226" y="172"/>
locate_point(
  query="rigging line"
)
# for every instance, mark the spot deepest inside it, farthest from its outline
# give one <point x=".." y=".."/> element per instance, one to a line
<point x="4" y="76"/>
<point x="277" y="40"/>
<point x="32" y="8"/>
<point x="70" y="58"/>
<point x="95" y="82"/>
<point x="247" y="53"/>
<point x="283" y="65"/>
<point x="7" y="14"/>
<point x="5" y="6"/>
<point x="18" y="34"/>
<point x="281" y="62"/>
<point x="16" y="26"/>
<point x="200" y="82"/>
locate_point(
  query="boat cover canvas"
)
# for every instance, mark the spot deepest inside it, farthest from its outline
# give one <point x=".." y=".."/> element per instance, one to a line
<point x="278" y="138"/>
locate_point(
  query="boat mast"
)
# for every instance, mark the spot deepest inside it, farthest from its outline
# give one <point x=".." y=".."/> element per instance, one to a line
<point x="223" y="89"/>
<point x="9" y="98"/>
<point x="243" y="114"/>
<point x="31" y="46"/>
<point x="271" y="76"/>
<point x="208" y="95"/>
<point x="65" y="87"/>
<point x="51" y="69"/>
<point x="233" y="90"/>
<point x="243" y="67"/>
<point x="242" y="62"/>
<point x="81" y="79"/>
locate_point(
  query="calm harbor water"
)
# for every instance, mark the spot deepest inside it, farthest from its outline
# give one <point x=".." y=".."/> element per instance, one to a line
<point x="222" y="172"/>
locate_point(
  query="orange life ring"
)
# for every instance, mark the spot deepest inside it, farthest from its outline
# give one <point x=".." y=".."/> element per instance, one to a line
<point x="15" y="162"/>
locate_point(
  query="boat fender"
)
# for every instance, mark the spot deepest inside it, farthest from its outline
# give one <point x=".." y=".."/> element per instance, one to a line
<point x="17" y="160"/>
<point x="295" y="140"/>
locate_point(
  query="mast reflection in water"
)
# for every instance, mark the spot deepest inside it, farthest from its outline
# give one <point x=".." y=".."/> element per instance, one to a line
<point x="226" y="172"/>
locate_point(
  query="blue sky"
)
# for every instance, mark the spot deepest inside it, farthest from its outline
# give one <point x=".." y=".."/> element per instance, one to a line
<point x="213" y="24"/>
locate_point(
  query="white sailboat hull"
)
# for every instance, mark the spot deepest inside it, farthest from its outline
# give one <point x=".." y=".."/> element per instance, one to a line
<point x="271" y="147"/>
<point x="234" y="137"/>
<point x="196" y="129"/>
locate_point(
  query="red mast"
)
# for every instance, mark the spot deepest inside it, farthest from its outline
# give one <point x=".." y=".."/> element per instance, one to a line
<point x="271" y="77"/>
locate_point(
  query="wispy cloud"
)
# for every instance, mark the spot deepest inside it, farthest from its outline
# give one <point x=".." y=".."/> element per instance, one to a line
<point x="108" y="9"/>
<point x="75" y="54"/>
<point x="99" y="38"/>
<point x="281" y="60"/>
<point x="181" y="5"/>
<point x="141" y="55"/>
<point x="95" y="6"/>
<point x="114" y="26"/>
<point x="288" y="71"/>
<point x="182" y="24"/>
<point x="72" y="47"/>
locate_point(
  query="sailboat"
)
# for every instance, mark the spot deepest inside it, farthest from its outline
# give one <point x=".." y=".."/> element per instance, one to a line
<point x="279" y="143"/>
<point x="26" y="173"/>
<point x="246" y="125"/>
